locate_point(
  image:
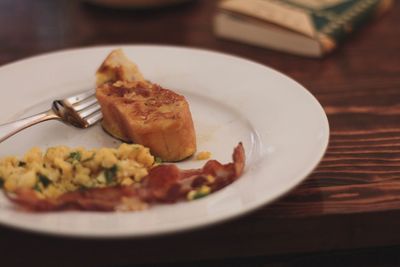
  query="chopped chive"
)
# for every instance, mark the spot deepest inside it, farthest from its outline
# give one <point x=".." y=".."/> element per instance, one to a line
<point x="110" y="174"/>
<point x="44" y="180"/>
<point x="158" y="160"/>
<point x="75" y="156"/>
<point x="37" y="187"/>
<point x="200" y="195"/>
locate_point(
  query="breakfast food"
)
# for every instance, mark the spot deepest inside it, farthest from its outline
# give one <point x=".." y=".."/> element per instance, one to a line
<point x="136" y="110"/>
<point x="149" y="115"/>
<point x="61" y="169"/>
<point x="117" y="67"/>
<point x="164" y="183"/>
<point x="129" y="177"/>
<point x="203" y="155"/>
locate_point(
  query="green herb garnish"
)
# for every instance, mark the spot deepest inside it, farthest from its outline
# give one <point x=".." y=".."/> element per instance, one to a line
<point x="110" y="174"/>
<point x="75" y="156"/>
<point x="44" y="180"/>
<point x="200" y="195"/>
<point x="158" y="160"/>
<point x="37" y="187"/>
<point x="1" y="182"/>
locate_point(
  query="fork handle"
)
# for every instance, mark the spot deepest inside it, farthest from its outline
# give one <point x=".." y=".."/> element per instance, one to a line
<point x="11" y="128"/>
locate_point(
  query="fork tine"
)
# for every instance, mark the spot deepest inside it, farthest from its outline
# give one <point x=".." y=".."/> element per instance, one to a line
<point x="89" y="110"/>
<point x="95" y="117"/>
<point x="81" y="110"/>
<point x="84" y="104"/>
<point x="78" y="98"/>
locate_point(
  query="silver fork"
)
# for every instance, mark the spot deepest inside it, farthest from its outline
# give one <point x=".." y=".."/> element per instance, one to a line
<point x="80" y="110"/>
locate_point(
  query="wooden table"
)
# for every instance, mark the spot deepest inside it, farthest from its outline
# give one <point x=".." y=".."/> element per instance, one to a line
<point x="352" y="199"/>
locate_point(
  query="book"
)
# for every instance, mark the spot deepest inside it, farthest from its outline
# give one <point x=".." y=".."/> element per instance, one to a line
<point x="310" y="28"/>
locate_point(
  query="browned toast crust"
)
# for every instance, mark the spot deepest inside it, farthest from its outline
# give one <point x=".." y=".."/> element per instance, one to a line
<point x="150" y="115"/>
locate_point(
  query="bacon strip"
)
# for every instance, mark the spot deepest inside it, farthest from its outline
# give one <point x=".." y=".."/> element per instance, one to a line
<point x="164" y="184"/>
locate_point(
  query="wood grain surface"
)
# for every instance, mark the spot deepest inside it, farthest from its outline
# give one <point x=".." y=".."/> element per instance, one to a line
<point x="351" y="200"/>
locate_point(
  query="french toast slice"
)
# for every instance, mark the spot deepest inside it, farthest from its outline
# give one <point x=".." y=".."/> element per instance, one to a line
<point x="135" y="110"/>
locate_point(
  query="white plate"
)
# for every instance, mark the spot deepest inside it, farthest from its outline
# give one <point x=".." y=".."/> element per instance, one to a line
<point x="282" y="126"/>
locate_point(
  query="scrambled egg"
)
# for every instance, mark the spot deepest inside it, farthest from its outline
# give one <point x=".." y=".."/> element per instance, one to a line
<point x="62" y="169"/>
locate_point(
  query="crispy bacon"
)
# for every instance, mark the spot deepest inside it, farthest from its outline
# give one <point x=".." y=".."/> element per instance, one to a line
<point x="96" y="199"/>
<point x="164" y="184"/>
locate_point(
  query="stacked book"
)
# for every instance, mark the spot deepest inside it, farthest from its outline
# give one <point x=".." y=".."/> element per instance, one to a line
<point x="305" y="27"/>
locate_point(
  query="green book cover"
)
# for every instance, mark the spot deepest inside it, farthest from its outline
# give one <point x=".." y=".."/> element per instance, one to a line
<point x="327" y="21"/>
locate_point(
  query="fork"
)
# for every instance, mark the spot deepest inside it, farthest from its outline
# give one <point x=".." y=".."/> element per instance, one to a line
<point x="81" y="111"/>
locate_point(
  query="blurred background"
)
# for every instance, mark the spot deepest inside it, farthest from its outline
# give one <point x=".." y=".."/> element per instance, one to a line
<point x="33" y="27"/>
